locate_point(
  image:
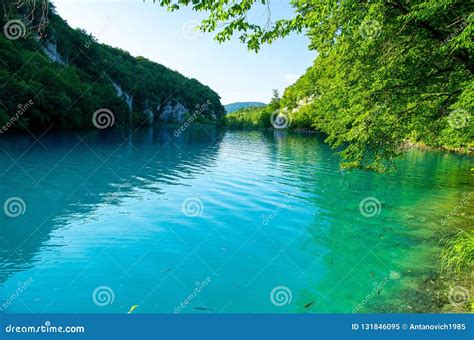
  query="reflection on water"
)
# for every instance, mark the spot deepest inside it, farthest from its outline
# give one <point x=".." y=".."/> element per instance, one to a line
<point x="105" y="209"/>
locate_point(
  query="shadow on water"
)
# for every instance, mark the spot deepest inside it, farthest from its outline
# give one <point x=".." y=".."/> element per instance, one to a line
<point x="66" y="174"/>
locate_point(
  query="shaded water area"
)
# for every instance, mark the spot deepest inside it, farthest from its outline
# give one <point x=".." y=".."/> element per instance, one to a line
<point x="216" y="221"/>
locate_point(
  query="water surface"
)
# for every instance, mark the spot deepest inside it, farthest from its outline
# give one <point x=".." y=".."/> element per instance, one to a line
<point x="105" y="209"/>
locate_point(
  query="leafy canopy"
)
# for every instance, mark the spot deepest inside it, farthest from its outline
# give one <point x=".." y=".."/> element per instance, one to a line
<point x="387" y="71"/>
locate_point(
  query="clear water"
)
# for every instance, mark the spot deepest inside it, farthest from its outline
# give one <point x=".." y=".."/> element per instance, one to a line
<point x="104" y="208"/>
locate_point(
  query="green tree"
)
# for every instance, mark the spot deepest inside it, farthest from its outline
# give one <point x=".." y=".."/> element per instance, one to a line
<point x="67" y="93"/>
<point x="387" y="71"/>
<point x="275" y="101"/>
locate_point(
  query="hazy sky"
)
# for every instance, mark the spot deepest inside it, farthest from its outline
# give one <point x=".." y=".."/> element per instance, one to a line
<point x="169" y="38"/>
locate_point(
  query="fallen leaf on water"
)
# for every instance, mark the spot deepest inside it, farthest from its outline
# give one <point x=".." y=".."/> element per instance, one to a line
<point x="132" y="309"/>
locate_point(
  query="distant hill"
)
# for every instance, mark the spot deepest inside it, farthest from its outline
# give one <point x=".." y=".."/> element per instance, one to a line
<point x="241" y="105"/>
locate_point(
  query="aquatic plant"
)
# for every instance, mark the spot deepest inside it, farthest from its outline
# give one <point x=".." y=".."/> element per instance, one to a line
<point x="458" y="253"/>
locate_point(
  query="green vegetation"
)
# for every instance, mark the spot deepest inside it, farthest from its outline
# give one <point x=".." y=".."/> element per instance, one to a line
<point x="67" y="91"/>
<point x="255" y="117"/>
<point x="252" y="117"/>
<point x="458" y="253"/>
<point x="457" y="260"/>
<point x="388" y="71"/>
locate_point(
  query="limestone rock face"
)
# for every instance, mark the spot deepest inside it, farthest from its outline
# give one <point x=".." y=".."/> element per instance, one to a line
<point x="174" y="113"/>
<point x="124" y="95"/>
<point x="51" y="50"/>
<point x="149" y="113"/>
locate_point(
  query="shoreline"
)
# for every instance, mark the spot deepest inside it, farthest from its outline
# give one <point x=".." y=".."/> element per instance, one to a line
<point x="407" y="144"/>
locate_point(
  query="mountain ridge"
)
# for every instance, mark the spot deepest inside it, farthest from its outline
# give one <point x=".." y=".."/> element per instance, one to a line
<point x="232" y="107"/>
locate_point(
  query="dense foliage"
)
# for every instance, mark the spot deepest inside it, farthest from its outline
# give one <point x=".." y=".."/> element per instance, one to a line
<point x="66" y="92"/>
<point x="387" y="70"/>
<point x="458" y="253"/>
<point x="250" y="117"/>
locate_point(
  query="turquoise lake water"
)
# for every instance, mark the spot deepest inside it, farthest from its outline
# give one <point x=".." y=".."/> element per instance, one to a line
<point x="214" y="221"/>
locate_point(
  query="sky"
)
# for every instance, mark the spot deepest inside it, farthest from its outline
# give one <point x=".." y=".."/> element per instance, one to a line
<point x="236" y="74"/>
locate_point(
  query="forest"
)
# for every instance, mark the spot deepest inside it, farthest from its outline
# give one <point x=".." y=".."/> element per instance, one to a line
<point x="64" y="75"/>
<point x="389" y="74"/>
